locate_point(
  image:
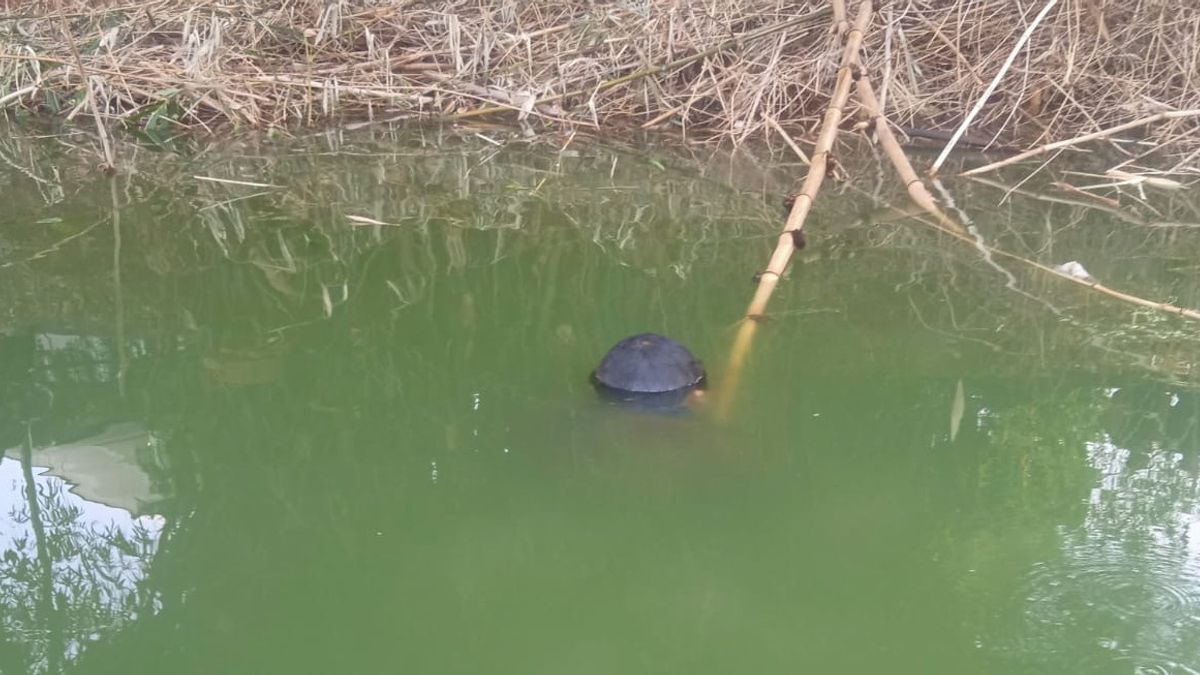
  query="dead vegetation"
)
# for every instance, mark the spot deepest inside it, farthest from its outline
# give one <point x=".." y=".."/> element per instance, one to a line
<point x="734" y="69"/>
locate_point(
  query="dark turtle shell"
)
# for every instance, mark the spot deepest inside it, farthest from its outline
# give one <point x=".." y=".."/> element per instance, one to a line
<point x="649" y="364"/>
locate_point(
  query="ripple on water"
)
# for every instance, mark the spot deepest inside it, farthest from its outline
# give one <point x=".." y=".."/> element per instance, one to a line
<point x="1139" y="609"/>
<point x="1150" y="663"/>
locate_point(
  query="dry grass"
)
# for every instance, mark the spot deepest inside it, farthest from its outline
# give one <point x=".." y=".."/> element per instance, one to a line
<point x="729" y="69"/>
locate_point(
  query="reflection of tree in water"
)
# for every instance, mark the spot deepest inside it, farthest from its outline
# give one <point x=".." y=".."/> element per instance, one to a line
<point x="1080" y="551"/>
<point x="1147" y="465"/>
<point x="94" y="577"/>
<point x="279" y="326"/>
<point x="71" y="569"/>
<point x="1124" y="584"/>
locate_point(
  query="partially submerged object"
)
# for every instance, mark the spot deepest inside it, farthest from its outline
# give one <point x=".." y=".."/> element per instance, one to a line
<point x="649" y="370"/>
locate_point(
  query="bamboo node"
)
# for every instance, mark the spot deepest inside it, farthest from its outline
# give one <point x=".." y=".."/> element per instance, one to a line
<point x="796" y="198"/>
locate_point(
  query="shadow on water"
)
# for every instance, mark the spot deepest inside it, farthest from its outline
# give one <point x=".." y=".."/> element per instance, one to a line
<point x="346" y="422"/>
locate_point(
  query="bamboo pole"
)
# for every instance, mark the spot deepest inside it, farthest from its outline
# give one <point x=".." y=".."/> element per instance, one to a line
<point x="840" y="23"/>
<point x="916" y="187"/>
<point x="920" y="195"/>
<point x="1095" y="135"/>
<point x="786" y="245"/>
<point x="850" y="71"/>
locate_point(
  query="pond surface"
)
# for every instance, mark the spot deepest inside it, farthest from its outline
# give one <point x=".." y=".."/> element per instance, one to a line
<point x="336" y="417"/>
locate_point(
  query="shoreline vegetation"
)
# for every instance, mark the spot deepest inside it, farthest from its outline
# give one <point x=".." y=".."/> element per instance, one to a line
<point x="852" y="72"/>
<point x="1039" y="80"/>
<point x="735" y="70"/>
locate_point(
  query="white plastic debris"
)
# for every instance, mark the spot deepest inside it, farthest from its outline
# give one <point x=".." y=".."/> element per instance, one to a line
<point x="1075" y="270"/>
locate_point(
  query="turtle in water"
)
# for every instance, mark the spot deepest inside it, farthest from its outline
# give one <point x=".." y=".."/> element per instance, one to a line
<point x="649" y="371"/>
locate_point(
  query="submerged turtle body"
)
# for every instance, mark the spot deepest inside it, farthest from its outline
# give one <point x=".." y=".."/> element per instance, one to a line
<point x="649" y="364"/>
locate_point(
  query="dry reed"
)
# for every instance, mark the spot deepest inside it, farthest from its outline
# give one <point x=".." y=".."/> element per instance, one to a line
<point x="791" y="239"/>
<point x="732" y="69"/>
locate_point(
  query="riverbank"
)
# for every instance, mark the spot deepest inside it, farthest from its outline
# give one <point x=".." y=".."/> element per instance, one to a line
<point x="732" y="70"/>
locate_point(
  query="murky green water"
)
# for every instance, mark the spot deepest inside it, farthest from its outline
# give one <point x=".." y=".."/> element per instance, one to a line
<point x="270" y="436"/>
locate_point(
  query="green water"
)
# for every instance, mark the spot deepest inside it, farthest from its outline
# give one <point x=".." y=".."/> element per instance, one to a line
<point x="301" y="442"/>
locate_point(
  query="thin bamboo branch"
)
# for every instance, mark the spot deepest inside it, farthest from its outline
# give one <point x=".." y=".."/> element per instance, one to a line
<point x="1090" y="203"/>
<point x="987" y="93"/>
<point x="786" y="245"/>
<point x="1103" y="133"/>
<point x="915" y="186"/>
<point x="788" y="139"/>
<point x="1094" y="285"/>
<point x="817" y="170"/>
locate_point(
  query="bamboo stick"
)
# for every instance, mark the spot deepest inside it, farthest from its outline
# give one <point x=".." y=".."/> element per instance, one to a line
<point x="1089" y="283"/>
<point x="1086" y="282"/>
<point x="840" y="23"/>
<point x="786" y="245"/>
<point x="1116" y="212"/>
<point x="916" y="187"/>
<point x="1103" y="133"/>
<point x="920" y="195"/>
<point x="987" y="93"/>
<point x="788" y="139"/>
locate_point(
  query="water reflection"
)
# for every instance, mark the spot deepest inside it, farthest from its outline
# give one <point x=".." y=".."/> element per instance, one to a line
<point x="357" y="406"/>
<point x="1122" y="584"/>
<point x="100" y="556"/>
<point x="1128" y="579"/>
<point x="80" y="500"/>
<point x="108" y="468"/>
